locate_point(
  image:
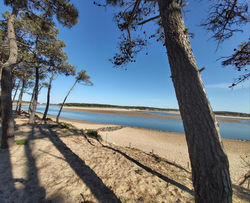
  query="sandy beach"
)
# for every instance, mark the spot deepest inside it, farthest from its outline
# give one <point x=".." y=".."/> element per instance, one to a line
<point x="141" y="113"/>
<point x="128" y="165"/>
<point x="169" y="145"/>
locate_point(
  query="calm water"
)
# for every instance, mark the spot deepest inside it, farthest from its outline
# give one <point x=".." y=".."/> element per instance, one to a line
<point x="239" y="130"/>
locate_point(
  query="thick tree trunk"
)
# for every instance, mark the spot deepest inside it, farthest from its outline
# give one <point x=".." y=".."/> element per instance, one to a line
<point x="210" y="166"/>
<point x="20" y="99"/>
<point x="6" y="83"/>
<point x="1" y="65"/>
<point x="58" y="115"/>
<point x="0" y="103"/>
<point x="6" y="104"/>
<point x="48" y="95"/>
<point x="34" y="102"/>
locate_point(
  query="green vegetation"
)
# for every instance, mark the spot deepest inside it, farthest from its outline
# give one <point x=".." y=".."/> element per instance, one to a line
<point x="65" y="125"/>
<point x="21" y="142"/>
<point x="156" y="157"/>
<point x="139" y="171"/>
<point x="93" y="133"/>
<point x="224" y="113"/>
<point x="228" y="113"/>
<point x="82" y="78"/>
<point x="117" y="106"/>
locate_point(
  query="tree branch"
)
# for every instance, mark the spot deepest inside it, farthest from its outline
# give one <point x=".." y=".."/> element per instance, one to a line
<point x="150" y="19"/>
<point x="137" y="3"/>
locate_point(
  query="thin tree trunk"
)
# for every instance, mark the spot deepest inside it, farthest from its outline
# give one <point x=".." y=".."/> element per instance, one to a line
<point x="17" y="87"/>
<point x="17" y="102"/>
<point x="20" y="99"/>
<point x="210" y="166"/>
<point x="58" y="115"/>
<point x="6" y="83"/>
<point x="31" y="100"/>
<point x="34" y="102"/>
<point x="48" y="95"/>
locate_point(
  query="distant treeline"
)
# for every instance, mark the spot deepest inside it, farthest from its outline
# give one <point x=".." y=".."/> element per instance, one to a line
<point x="116" y="106"/>
<point x="225" y="113"/>
<point x="228" y="113"/>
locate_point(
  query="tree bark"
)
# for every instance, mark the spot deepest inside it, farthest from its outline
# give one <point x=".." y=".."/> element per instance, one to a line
<point x="6" y="83"/>
<point x="210" y="166"/>
<point x="17" y="87"/>
<point x="17" y="102"/>
<point x="1" y="68"/>
<point x="48" y="95"/>
<point x="20" y="99"/>
<point x="58" y="115"/>
<point x="34" y="102"/>
<point x="6" y="104"/>
<point x="31" y="100"/>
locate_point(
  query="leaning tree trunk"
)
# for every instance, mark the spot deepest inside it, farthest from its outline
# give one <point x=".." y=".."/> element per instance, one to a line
<point x="48" y="95"/>
<point x="58" y="115"/>
<point x="210" y="166"/>
<point x="17" y="87"/>
<point x="34" y="102"/>
<point x="6" y="83"/>
<point x="31" y="100"/>
<point x="20" y="99"/>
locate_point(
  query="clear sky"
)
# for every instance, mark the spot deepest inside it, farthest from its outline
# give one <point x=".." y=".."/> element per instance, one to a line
<point x="147" y="82"/>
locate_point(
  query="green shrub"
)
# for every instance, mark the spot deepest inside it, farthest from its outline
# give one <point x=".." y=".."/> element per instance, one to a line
<point x="93" y="134"/>
<point x="157" y="158"/>
<point x="21" y="142"/>
<point x="65" y="125"/>
<point x="139" y="171"/>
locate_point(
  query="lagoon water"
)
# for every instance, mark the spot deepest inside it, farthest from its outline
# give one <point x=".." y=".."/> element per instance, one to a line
<point x="239" y="130"/>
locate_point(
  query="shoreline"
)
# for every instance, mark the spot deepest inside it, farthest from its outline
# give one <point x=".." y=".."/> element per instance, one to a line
<point x="130" y="112"/>
<point x="102" y="125"/>
<point x="169" y="145"/>
<point x="138" y="112"/>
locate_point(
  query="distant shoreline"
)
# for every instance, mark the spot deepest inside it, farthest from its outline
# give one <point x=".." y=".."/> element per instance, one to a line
<point x="131" y="112"/>
<point x="145" y="108"/>
<point x="170" y="145"/>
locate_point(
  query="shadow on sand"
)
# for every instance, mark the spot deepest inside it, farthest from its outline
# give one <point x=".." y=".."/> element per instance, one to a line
<point x="28" y="189"/>
<point x="7" y="184"/>
<point x="34" y="192"/>
<point x="146" y="168"/>
<point x="166" y="179"/>
<point x="89" y="177"/>
<point x="241" y="192"/>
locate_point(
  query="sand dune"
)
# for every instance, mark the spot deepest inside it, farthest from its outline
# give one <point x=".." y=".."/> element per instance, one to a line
<point x="61" y="165"/>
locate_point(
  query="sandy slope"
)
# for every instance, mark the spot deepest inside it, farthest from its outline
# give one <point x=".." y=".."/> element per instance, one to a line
<point x="60" y="165"/>
<point x="169" y="145"/>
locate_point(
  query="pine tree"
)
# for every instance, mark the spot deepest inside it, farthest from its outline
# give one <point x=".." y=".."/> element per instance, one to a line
<point x="210" y="166"/>
<point x="65" y="13"/>
<point x="81" y="77"/>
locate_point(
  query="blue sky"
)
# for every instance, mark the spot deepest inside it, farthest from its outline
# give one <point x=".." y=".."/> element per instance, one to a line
<point x="147" y="82"/>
